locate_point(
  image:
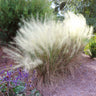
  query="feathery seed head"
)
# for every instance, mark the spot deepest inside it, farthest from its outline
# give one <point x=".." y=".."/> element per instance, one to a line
<point x="43" y="42"/>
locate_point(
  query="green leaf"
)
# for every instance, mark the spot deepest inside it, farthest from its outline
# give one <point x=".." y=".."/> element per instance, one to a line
<point x="19" y="89"/>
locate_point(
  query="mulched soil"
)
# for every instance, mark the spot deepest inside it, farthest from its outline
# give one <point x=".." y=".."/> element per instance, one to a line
<point x="83" y="83"/>
<point x="4" y="62"/>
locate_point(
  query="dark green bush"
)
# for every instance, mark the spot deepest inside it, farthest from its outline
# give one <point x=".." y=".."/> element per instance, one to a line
<point x="11" y="12"/>
<point x="90" y="48"/>
<point x="90" y="13"/>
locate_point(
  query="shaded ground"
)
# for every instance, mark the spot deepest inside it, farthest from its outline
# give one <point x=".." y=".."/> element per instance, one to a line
<point x="4" y="62"/>
<point x="83" y="83"/>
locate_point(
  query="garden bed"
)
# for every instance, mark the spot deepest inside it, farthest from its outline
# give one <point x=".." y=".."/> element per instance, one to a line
<point x="83" y="83"/>
<point x="6" y="73"/>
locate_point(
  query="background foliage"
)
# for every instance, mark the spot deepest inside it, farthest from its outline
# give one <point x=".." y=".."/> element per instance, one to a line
<point x="86" y="7"/>
<point x="11" y="12"/>
<point x="90" y="48"/>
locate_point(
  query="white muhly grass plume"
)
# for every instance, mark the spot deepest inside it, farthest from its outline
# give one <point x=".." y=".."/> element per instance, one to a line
<point x="36" y="39"/>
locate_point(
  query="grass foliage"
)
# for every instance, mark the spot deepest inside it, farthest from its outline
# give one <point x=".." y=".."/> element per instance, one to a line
<point x="48" y="47"/>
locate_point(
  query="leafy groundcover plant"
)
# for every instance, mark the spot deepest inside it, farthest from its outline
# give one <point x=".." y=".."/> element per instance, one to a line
<point x="90" y="48"/>
<point x="17" y="83"/>
<point x="48" y="47"/>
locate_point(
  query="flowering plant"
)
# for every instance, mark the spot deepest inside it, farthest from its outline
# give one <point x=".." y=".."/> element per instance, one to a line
<point x="14" y="83"/>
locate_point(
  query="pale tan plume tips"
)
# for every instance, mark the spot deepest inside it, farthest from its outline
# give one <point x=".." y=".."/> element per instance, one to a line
<point x="36" y="39"/>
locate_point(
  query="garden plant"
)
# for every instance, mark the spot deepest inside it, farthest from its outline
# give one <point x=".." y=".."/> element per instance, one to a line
<point x="12" y="12"/>
<point x="49" y="46"/>
<point x="90" y="48"/>
<point x="17" y="83"/>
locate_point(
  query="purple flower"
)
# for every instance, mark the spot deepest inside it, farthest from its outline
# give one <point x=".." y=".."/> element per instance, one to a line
<point x="2" y="72"/>
<point x="13" y="78"/>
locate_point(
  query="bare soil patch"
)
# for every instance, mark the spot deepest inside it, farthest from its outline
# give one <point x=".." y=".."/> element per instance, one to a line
<point x="83" y="83"/>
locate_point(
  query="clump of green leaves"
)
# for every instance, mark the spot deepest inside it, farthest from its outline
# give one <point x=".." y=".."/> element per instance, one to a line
<point x="11" y="12"/>
<point x="90" y="48"/>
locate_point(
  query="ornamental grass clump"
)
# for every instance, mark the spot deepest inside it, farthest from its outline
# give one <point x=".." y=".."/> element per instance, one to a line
<point x="48" y="47"/>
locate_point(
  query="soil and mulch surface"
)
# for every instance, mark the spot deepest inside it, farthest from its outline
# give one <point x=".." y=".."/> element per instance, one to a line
<point x="4" y="62"/>
<point x="83" y="83"/>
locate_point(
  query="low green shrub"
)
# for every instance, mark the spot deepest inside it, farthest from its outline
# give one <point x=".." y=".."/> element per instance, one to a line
<point x="48" y="47"/>
<point x="12" y="11"/>
<point x="90" y="48"/>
